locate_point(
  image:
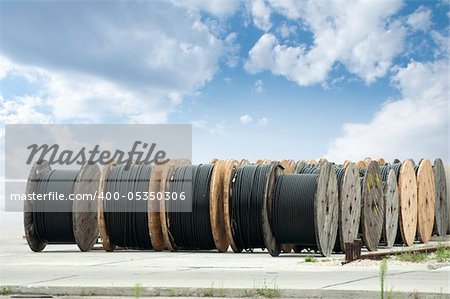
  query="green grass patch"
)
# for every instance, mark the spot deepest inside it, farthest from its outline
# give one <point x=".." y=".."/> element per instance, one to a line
<point x="442" y="254"/>
<point x="6" y="291"/>
<point x="310" y="259"/>
<point x="413" y="257"/>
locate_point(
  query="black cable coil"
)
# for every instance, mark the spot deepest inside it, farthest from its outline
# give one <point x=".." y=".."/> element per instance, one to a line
<point x="246" y="206"/>
<point x="53" y="218"/>
<point x="293" y="209"/>
<point x="126" y="218"/>
<point x="189" y="219"/>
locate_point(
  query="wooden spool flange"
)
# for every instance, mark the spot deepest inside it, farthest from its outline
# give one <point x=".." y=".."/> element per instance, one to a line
<point x="31" y="235"/>
<point x="441" y="198"/>
<point x="381" y="162"/>
<point x="447" y="179"/>
<point x="269" y="194"/>
<point x="104" y="236"/>
<point x="349" y="206"/>
<point x="216" y="206"/>
<point x="84" y="215"/>
<point x="391" y="209"/>
<point x="407" y="189"/>
<point x="299" y="166"/>
<point x="372" y="214"/>
<point x="326" y="209"/>
<point x="425" y="200"/>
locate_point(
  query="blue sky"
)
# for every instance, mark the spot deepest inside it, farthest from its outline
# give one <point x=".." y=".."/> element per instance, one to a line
<point x="270" y="79"/>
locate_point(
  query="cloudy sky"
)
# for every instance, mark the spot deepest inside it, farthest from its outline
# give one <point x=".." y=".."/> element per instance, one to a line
<point x="256" y="79"/>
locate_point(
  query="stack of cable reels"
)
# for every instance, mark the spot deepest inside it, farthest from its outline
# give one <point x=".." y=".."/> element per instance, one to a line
<point x="372" y="203"/>
<point x="425" y="200"/>
<point x="349" y="199"/>
<point x="391" y="207"/>
<point x="441" y="218"/>
<point x="61" y="221"/>
<point x="305" y="211"/>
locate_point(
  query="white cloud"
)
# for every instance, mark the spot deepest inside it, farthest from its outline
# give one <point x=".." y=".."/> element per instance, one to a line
<point x="285" y="30"/>
<point x="415" y="126"/>
<point x="245" y="119"/>
<point x="337" y="38"/>
<point x="420" y="19"/>
<point x="218" y="8"/>
<point x="258" y="86"/>
<point x="261" y="14"/>
<point x="127" y="62"/>
<point x="262" y="122"/>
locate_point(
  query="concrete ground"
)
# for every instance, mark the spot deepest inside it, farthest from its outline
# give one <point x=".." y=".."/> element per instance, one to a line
<point x="62" y="269"/>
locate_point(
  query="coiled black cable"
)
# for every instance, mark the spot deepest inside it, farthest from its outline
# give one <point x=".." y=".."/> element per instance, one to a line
<point x="246" y="206"/>
<point x="126" y="216"/>
<point x="52" y="217"/>
<point x="189" y="219"/>
<point x="293" y="209"/>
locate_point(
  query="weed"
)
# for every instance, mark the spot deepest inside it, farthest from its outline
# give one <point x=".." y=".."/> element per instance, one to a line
<point x="310" y="259"/>
<point x="6" y="291"/>
<point x="269" y="292"/>
<point x="414" y="257"/>
<point x="137" y="290"/>
<point x="383" y="271"/>
<point x="442" y="254"/>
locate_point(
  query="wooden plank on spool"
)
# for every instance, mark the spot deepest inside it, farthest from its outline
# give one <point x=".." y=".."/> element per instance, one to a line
<point x="104" y="236"/>
<point x="372" y="213"/>
<point x="407" y="187"/>
<point x="269" y="194"/>
<point x="230" y="171"/>
<point x="425" y="200"/>
<point x="441" y="217"/>
<point x="216" y="213"/>
<point x="349" y="205"/>
<point x="84" y="212"/>
<point x="391" y="199"/>
<point x="326" y="209"/>
<point x="33" y="240"/>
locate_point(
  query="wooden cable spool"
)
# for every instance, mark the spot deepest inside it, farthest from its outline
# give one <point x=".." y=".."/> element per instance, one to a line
<point x="425" y="200"/>
<point x="84" y="217"/>
<point x="447" y="179"/>
<point x="441" y="199"/>
<point x="372" y="211"/>
<point x="216" y="207"/>
<point x="349" y="206"/>
<point x="391" y="200"/>
<point x="326" y="209"/>
<point x="407" y="188"/>
<point x="361" y="165"/>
